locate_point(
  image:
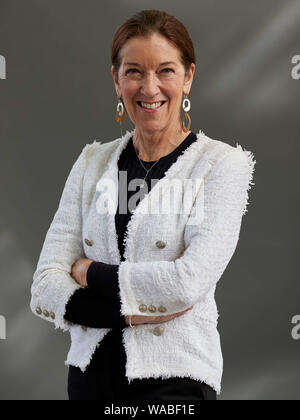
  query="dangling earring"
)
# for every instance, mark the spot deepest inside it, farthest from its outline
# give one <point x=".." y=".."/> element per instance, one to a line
<point x="120" y="115"/>
<point x="186" y="105"/>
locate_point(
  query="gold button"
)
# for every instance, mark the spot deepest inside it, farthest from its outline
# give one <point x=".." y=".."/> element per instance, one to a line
<point x="160" y="244"/>
<point x="158" y="330"/>
<point x="46" y="313"/>
<point x="162" y="309"/>
<point x="52" y="315"/>
<point x="88" y="242"/>
<point x="39" y="311"/>
<point x="143" y="308"/>
<point x="152" y="308"/>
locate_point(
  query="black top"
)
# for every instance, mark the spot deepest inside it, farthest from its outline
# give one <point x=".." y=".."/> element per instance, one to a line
<point x="98" y="305"/>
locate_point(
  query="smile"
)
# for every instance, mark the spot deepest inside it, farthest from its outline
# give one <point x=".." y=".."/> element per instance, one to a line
<point x="150" y="107"/>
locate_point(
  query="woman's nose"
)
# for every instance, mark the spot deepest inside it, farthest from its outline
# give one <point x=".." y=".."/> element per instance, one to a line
<point x="150" y="85"/>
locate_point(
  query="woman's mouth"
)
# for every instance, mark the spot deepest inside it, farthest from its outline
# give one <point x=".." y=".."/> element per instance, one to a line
<point x="153" y="107"/>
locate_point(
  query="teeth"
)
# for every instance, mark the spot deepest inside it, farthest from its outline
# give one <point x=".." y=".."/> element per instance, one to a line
<point x="151" y="106"/>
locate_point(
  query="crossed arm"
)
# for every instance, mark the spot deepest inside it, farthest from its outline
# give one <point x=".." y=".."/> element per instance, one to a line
<point x="97" y="305"/>
<point x="179" y="284"/>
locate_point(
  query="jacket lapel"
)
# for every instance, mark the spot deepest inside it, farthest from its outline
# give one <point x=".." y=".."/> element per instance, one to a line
<point x="109" y="183"/>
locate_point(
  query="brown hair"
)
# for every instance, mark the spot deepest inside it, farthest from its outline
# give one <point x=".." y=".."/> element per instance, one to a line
<point x="147" y="22"/>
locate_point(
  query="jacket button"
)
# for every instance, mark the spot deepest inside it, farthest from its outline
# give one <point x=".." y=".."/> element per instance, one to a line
<point x="52" y="315"/>
<point x="162" y="309"/>
<point x="143" y="308"/>
<point x="46" y="313"/>
<point x="88" y="242"/>
<point x="158" y="330"/>
<point x="160" y="244"/>
<point x="39" y="311"/>
<point x="152" y="308"/>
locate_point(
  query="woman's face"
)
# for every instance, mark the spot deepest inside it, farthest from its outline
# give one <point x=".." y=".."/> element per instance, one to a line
<point x="151" y="72"/>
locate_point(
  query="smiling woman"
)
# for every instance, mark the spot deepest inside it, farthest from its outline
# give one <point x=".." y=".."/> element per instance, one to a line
<point x="152" y="71"/>
<point x="136" y="289"/>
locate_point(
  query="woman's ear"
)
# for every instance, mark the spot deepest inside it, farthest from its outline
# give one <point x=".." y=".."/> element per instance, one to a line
<point x="116" y="81"/>
<point x="189" y="78"/>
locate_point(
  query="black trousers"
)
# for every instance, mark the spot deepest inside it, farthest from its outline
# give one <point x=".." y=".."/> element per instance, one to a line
<point x="105" y="379"/>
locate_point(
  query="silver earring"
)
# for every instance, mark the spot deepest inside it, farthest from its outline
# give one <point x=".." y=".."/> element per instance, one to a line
<point x="186" y="105"/>
<point x="120" y="115"/>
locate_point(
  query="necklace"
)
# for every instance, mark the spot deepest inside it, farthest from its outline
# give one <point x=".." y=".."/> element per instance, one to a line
<point x="147" y="170"/>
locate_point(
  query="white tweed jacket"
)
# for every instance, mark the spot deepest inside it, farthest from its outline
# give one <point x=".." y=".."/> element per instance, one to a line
<point x="154" y="278"/>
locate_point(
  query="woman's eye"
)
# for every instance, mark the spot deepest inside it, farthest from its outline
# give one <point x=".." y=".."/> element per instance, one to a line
<point x="131" y="71"/>
<point x="166" y="70"/>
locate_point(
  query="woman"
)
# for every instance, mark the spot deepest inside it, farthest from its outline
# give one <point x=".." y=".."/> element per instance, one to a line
<point x="134" y="287"/>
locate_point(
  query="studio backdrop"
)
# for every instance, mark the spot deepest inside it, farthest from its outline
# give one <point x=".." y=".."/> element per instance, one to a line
<point x="57" y="94"/>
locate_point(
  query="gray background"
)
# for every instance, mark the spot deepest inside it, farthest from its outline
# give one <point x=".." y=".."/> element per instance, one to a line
<point x="59" y="95"/>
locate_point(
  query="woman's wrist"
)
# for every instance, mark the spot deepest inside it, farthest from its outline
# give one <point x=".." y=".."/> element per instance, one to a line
<point x="128" y="320"/>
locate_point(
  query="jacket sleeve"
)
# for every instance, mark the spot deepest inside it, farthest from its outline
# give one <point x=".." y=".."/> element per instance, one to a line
<point x="97" y="306"/>
<point x="53" y="284"/>
<point x="209" y="244"/>
<point x="91" y="310"/>
<point x="102" y="279"/>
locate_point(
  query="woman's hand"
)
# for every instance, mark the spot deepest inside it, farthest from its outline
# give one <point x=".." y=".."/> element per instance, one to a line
<point x="79" y="270"/>
<point x="138" y="319"/>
